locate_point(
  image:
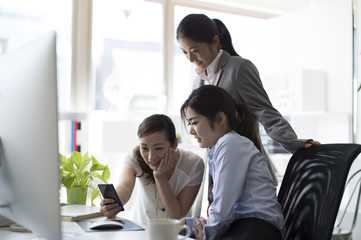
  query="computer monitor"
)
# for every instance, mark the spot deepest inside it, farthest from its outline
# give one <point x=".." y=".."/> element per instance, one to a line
<point x="29" y="170"/>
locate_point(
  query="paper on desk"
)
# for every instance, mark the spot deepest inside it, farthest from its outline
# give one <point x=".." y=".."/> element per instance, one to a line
<point x="77" y="212"/>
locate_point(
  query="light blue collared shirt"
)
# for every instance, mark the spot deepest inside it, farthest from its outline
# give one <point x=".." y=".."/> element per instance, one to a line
<point x="242" y="186"/>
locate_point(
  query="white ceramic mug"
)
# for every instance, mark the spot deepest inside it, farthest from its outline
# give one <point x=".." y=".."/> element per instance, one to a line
<point x="166" y="229"/>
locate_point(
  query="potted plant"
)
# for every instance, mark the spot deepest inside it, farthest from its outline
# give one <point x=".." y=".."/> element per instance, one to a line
<point x="76" y="177"/>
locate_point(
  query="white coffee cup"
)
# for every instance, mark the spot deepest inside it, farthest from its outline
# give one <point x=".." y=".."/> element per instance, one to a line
<point x="166" y="229"/>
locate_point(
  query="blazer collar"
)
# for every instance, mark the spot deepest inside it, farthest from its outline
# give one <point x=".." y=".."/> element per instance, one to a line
<point x="219" y="68"/>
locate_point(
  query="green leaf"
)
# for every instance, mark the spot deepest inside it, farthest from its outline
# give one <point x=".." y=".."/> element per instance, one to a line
<point x="85" y="157"/>
<point x="106" y="174"/>
<point x="95" y="193"/>
<point x="87" y="175"/>
<point x="83" y="167"/>
<point x="77" y="159"/>
<point x="62" y="158"/>
<point x="68" y="180"/>
<point x="94" y="161"/>
<point x="97" y="167"/>
<point x="67" y="164"/>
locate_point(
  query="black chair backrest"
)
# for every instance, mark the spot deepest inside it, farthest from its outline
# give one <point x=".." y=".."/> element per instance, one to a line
<point x="312" y="189"/>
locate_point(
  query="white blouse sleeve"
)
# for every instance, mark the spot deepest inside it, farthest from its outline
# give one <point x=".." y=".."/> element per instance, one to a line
<point x="130" y="160"/>
<point x="197" y="175"/>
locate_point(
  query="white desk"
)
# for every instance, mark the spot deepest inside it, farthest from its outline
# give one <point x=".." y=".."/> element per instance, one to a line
<point x="72" y="231"/>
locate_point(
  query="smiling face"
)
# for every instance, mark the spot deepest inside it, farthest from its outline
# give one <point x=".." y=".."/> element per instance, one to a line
<point x="153" y="148"/>
<point x="200" y="53"/>
<point x="206" y="134"/>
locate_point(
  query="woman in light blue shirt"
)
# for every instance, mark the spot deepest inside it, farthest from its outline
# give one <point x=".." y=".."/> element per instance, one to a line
<point x="244" y="202"/>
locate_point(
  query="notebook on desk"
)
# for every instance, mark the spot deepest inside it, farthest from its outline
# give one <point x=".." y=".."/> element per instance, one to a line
<point x="77" y="212"/>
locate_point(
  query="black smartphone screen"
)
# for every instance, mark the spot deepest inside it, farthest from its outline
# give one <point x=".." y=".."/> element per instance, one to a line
<point x="108" y="191"/>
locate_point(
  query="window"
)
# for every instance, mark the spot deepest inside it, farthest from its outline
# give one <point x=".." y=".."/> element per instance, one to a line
<point x="127" y="56"/>
<point x="22" y="21"/>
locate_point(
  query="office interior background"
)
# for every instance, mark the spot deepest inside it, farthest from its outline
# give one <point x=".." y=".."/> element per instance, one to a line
<point x="119" y="62"/>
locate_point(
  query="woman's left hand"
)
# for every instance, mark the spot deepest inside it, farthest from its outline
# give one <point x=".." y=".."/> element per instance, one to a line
<point x="311" y="142"/>
<point x="199" y="233"/>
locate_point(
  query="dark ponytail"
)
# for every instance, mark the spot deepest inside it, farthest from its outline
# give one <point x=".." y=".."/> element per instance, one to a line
<point x="246" y="124"/>
<point x="225" y="38"/>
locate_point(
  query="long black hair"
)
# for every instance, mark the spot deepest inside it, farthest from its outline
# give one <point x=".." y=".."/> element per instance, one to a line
<point x="200" y="28"/>
<point x="225" y="38"/>
<point x="208" y="100"/>
<point x="152" y="124"/>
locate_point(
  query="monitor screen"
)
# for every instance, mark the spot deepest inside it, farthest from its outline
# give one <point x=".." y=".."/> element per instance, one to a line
<point x="29" y="170"/>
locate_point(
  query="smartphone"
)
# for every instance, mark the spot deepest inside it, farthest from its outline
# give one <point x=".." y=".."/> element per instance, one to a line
<point x="191" y="222"/>
<point x="108" y="191"/>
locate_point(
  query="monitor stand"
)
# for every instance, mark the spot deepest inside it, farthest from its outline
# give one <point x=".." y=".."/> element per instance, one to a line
<point x="18" y="228"/>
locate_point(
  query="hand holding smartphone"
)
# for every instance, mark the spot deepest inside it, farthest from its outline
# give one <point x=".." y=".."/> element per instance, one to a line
<point x="108" y="191"/>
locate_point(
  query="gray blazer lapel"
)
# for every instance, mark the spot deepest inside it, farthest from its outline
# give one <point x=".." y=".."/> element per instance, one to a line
<point x="219" y="69"/>
<point x="217" y="76"/>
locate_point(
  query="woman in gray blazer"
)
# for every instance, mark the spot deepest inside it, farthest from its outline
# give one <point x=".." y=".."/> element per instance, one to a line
<point x="207" y="43"/>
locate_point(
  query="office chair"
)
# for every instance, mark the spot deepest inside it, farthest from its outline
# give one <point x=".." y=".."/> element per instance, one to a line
<point x="341" y="232"/>
<point x="312" y="189"/>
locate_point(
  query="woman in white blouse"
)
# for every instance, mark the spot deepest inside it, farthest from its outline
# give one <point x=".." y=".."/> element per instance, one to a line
<point x="169" y="178"/>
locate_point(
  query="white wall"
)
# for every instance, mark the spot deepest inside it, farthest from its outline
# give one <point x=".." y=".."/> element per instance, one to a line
<point x="318" y="38"/>
<point x="329" y="36"/>
<point x="358" y="66"/>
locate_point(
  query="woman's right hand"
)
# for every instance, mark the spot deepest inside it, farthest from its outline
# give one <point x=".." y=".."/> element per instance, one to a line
<point x="167" y="164"/>
<point x="109" y="207"/>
